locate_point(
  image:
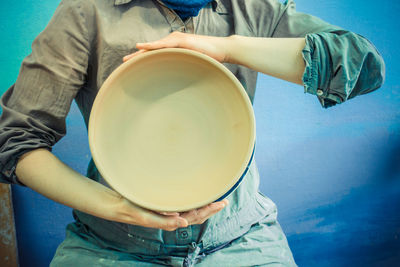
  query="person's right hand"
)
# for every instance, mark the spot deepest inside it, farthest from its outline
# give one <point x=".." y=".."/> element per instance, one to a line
<point x="130" y="213"/>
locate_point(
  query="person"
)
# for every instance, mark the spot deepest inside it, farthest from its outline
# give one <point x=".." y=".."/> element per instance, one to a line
<point x="87" y="39"/>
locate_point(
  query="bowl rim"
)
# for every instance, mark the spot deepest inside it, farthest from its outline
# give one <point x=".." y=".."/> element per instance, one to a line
<point x="126" y="65"/>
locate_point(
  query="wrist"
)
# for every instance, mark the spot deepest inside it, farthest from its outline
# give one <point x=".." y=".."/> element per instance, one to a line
<point x="229" y="45"/>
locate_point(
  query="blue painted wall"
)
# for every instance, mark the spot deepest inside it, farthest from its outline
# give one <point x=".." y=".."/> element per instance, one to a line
<point x="334" y="174"/>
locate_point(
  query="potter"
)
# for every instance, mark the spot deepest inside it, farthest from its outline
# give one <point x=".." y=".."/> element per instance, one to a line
<point x="85" y="42"/>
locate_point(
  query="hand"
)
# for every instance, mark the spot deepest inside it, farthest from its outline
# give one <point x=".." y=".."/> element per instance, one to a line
<point x="199" y="216"/>
<point x="170" y="221"/>
<point x="214" y="47"/>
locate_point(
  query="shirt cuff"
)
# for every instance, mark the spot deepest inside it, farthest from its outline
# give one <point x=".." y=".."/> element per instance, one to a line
<point x="7" y="174"/>
<point x="316" y="74"/>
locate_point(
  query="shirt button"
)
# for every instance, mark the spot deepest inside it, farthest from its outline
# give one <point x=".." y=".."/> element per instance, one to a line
<point x="320" y="92"/>
<point x="183" y="234"/>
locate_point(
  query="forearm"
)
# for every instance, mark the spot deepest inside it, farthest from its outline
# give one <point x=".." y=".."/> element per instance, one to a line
<point x="278" y="57"/>
<point x="46" y="174"/>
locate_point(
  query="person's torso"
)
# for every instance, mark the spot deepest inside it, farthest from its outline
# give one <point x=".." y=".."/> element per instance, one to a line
<point x="119" y="28"/>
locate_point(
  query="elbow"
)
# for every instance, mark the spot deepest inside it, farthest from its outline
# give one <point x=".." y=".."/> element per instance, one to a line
<point x="372" y="73"/>
<point x="341" y="66"/>
<point x="377" y="73"/>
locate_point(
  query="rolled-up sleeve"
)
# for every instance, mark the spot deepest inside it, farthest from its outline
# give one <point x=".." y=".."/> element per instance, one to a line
<point x="340" y="67"/>
<point x="35" y="107"/>
<point x="340" y="64"/>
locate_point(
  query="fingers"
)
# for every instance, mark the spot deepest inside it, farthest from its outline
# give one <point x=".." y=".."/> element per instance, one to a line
<point x="199" y="216"/>
<point x="126" y="58"/>
<point x="154" y="45"/>
<point x="165" y="222"/>
<point x="169" y="213"/>
<point x="175" y="39"/>
<point x="171" y="221"/>
<point x="128" y="212"/>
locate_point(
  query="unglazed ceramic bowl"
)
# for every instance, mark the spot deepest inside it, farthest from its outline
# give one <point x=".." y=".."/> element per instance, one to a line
<point x="172" y="130"/>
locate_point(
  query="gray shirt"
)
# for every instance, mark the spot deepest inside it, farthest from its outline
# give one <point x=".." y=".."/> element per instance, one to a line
<point x="86" y="40"/>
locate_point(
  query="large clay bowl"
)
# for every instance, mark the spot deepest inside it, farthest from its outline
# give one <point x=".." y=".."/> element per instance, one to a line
<point x="172" y="130"/>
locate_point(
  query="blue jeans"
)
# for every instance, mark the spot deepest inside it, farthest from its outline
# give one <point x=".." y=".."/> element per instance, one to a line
<point x="263" y="245"/>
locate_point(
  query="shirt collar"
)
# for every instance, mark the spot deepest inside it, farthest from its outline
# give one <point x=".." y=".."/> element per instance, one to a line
<point x="219" y="7"/>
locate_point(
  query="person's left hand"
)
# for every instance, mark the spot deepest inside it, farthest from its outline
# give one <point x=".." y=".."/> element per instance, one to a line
<point x="214" y="47"/>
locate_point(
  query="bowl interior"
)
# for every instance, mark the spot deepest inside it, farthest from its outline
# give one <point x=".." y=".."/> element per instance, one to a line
<point x="171" y="130"/>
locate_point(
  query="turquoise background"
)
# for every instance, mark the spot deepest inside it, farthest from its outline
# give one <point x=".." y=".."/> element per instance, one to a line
<point x="334" y="174"/>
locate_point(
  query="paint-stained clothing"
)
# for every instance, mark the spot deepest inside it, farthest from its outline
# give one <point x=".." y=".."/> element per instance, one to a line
<point x="86" y="40"/>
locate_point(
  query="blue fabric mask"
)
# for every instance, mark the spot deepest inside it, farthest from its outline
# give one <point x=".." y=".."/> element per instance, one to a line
<point x="186" y="8"/>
